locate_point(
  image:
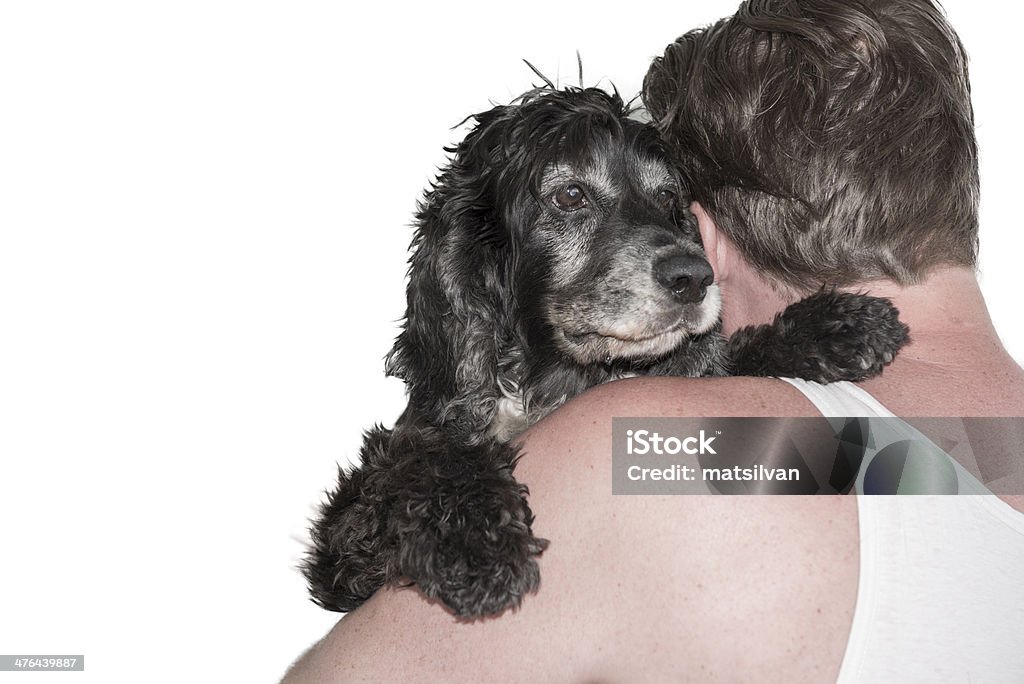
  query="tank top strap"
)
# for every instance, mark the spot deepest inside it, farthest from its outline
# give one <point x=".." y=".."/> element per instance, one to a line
<point x="840" y="399"/>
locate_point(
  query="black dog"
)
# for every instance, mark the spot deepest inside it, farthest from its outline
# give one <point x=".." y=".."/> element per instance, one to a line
<point x="555" y="252"/>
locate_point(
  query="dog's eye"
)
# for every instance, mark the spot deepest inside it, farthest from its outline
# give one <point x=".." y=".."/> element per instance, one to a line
<point x="666" y="197"/>
<point x="570" y="198"/>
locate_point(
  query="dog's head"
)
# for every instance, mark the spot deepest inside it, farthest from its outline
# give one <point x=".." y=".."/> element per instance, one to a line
<point x="611" y="256"/>
<point x="562" y="216"/>
<point x="608" y="260"/>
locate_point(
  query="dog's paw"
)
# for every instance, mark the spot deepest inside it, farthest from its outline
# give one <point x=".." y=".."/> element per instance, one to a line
<point x="827" y="337"/>
<point x="484" y="572"/>
<point x="843" y="336"/>
<point x="469" y="542"/>
<point x="351" y="556"/>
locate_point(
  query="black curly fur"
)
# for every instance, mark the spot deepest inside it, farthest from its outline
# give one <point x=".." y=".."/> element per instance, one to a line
<point x="508" y="297"/>
<point x="841" y="336"/>
<point x="464" y="512"/>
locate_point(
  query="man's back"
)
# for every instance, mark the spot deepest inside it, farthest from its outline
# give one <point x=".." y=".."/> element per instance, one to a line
<point x="666" y="588"/>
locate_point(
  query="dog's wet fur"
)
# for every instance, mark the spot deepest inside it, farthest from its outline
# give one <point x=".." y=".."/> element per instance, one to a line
<point x="555" y="252"/>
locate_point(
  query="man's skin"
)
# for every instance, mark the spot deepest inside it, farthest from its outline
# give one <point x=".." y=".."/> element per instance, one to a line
<point x="685" y="588"/>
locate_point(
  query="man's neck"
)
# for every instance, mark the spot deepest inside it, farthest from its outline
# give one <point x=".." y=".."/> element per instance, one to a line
<point x="946" y="314"/>
<point x="949" y="322"/>
<point x="748" y="299"/>
<point x="954" y="357"/>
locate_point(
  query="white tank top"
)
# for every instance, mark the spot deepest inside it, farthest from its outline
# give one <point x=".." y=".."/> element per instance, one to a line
<point x="941" y="591"/>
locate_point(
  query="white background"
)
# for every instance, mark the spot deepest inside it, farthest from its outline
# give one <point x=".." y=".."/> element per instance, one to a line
<point x="205" y="210"/>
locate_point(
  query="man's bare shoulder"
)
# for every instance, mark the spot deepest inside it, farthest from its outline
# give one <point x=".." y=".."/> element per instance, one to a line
<point x="635" y="588"/>
<point x="671" y="396"/>
<point x="574" y="442"/>
<point x="582" y="428"/>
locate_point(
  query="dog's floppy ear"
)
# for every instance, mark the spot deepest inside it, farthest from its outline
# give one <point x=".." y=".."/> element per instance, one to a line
<point x="467" y="192"/>
<point x="459" y="293"/>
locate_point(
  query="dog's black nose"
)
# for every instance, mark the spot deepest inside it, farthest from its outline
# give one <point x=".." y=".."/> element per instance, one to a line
<point x="686" y="277"/>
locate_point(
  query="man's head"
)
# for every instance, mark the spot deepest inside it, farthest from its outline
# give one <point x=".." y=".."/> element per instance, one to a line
<point x="832" y="141"/>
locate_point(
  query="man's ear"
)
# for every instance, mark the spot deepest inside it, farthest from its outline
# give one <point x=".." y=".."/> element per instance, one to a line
<point x="715" y="246"/>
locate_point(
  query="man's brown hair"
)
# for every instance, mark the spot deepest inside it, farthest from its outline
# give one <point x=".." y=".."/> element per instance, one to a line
<point x="831" y="141"/>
